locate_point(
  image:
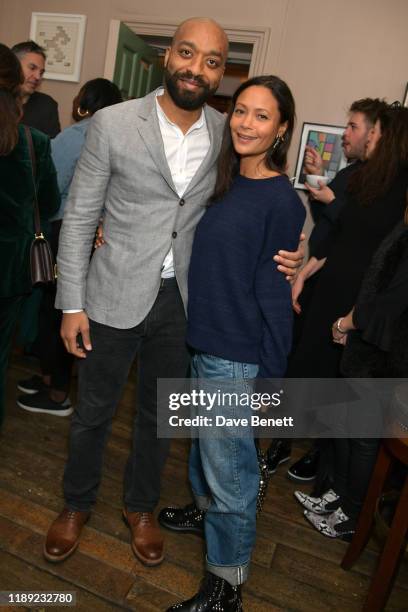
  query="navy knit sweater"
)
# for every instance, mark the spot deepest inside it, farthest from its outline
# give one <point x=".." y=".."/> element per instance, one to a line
<point x="239" y="303"/>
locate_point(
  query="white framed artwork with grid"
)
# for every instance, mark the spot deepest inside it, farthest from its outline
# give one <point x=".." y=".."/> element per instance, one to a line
<point x="62" y="35"/>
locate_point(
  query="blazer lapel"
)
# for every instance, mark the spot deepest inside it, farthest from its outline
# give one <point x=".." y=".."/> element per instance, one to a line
<point x="150" y="132"/>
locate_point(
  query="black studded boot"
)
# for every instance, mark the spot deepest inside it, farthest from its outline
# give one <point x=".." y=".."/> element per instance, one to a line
<point x="215" y="595"/>
<point x="263" y="478"/>
<point x="189" y="519"/>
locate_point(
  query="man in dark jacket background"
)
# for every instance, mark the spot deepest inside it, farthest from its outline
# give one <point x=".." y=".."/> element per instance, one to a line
<point x="40" y="111"/>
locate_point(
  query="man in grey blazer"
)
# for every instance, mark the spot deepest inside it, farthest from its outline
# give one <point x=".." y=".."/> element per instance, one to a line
<point x="149" y="164"/>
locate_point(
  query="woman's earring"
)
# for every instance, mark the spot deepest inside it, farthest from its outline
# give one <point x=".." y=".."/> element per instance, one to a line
<point x="277" y="142"/>
<point x="82" y="113"/>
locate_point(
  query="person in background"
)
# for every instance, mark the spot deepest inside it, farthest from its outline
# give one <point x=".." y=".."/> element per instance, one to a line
<point x="49" y="393"/>
<point x="240" y="321"/>
<point x="40" y="110"/>
<point x="375" y="339"/>
<point x="375" y="204"/>
<point x="326" y="205"/>
<point x="16" y="202"/>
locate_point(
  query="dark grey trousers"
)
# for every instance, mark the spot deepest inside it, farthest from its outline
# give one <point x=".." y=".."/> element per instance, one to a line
<point x="159" y="344"/>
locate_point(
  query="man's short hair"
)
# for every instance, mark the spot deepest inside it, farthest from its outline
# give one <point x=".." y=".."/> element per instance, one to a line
<point x="371" y="108"/>
<point x="29" y="46"/>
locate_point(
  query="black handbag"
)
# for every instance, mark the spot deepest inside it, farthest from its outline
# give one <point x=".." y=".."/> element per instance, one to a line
<point x="42" y="265"/>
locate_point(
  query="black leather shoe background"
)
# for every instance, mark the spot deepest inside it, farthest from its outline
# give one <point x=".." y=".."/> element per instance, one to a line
<point x="305" y="469"/>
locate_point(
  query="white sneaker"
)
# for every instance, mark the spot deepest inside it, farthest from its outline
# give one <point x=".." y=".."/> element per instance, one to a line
<point x="317" y="504"/>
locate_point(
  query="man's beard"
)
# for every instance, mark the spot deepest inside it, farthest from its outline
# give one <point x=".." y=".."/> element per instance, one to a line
<point x="186" y="99"/>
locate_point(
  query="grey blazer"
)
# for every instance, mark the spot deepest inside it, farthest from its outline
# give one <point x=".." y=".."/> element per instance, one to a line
<point x="123" y="170"/>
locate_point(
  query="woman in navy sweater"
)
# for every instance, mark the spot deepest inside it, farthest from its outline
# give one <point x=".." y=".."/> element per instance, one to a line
<point x="240" y="321"/>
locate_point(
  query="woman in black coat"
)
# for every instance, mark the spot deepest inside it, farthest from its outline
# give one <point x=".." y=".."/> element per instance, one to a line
<point x="335" y="513"/>
<point x="375" y="338"/>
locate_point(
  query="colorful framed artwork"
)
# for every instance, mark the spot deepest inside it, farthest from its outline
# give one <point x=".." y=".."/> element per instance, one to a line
<point x="405" y="100"/>
<point x="327" y="140"/>
<point x="62" y="36"/>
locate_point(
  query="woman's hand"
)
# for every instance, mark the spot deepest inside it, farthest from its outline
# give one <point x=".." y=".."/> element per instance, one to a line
<point x="324" y="195"/>
<point x="313" y="161"/>
<point x="297" y="289"/>
<point x="99" y="239"/>
<point x="341" y="327"/>
<point x="339" y="337"/>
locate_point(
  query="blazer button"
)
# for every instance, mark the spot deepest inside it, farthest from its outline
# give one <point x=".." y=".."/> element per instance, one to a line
<point x="182" y="202"/>
<point x="174" y="235"/>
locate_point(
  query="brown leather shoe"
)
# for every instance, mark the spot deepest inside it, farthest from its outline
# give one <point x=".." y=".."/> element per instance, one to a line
<point x="63" y="535"/>
<point x="147" y="540"/>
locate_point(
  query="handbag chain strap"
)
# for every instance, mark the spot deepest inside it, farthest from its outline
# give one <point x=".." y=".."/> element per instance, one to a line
<point x="37" y="222"/>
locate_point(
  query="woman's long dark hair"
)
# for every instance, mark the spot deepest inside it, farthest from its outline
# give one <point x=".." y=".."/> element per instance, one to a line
<point x="11" y="78"/>
<point x="374" y="178"/>
<point x="276" y="156"/>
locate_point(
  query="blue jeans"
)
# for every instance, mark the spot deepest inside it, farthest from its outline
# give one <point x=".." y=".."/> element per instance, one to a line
<point x="224" y="476"/>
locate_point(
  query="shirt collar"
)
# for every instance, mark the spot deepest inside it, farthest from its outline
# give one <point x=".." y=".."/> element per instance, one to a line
<point x="200" y="123"/>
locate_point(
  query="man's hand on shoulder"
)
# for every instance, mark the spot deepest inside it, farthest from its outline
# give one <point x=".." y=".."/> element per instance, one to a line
<point x="291" y="261"/>
<point x="73" y="325"/>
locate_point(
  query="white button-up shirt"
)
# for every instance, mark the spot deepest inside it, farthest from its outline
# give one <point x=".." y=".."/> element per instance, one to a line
<point x="185" y="153"/>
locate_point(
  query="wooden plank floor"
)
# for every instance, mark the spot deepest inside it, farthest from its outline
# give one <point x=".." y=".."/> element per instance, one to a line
<point x="294" y="568"/>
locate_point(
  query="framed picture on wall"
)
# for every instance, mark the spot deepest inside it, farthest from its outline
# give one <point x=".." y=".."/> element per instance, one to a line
<point x="405" y="99"/>
<point x="62" y="36"/>
<point x="327" y="140"/>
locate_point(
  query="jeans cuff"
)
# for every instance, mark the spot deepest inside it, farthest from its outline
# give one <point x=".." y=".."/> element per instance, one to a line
<point x="202" y="501"/>
<point x="233" y="574"/>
